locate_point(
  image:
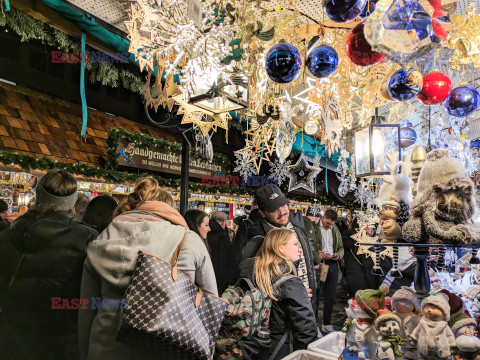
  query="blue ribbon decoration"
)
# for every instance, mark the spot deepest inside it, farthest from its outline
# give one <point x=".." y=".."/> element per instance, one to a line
<point x="82" y="85"/>
<point x="7" y="5"/>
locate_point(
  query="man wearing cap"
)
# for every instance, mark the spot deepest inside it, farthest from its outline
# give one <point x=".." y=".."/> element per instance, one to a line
<point x="273" y="207"/>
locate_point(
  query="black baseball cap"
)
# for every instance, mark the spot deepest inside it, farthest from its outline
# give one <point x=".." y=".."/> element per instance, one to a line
<point x="269" y="198"/>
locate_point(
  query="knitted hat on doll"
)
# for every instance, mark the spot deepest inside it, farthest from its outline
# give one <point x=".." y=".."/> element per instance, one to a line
<point x="391" y="203"/>
<point x="457" y="306"/>
<point x="371" y="300"/>
<point x="461" y="320"/>
<point x="440" y="300"/>
<point x="385" y="315"/>
<point x="405" y="293"/>
<point x="438" y="169"/>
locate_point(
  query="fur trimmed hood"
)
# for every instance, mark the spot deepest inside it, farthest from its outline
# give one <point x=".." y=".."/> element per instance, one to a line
<point x="462" y="186"/>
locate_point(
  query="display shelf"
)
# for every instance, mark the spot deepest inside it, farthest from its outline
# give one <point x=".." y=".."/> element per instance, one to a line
<point x="422" y="251"/>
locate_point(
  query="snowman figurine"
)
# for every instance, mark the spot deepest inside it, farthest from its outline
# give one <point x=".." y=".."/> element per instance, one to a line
<point x="349" y="328"/>
<point x="389" y="340"/>
<point x="468" y="345"/>
<point x="369" y="302"/>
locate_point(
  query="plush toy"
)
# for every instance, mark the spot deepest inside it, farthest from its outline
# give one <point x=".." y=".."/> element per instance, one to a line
<point x="389" y="341"/>
<point x="349" y="328"/>
<point x="443" y="208"/>
<point x="432" y="336"/>
<point x="405" y="305"/>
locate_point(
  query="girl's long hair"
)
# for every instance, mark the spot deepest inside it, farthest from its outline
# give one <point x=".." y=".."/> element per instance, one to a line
<point x="194" y="219"/>
<point x="270" y="261"/>
<point x="146" y="189"/>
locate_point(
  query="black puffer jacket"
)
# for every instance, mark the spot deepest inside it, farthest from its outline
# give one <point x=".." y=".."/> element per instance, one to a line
<point x="291" y="312"/>
<point x="256" y="235"/>
<point x="54" y="245"/>
<point x="221" y="254"/>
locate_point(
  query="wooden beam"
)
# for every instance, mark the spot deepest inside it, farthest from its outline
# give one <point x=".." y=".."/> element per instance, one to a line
<point x="43" y="12"/>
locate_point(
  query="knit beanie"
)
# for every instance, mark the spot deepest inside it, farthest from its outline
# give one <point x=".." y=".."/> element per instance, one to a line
<point x="438" y="169"/>
<point x="440" y="300"/>
<point x="456" y="303"/>
<point x="371" y="300"/>
<point x="460" y="321"/>
<point x="391" y="203"/>
<point x="385" y="315"/>
<point x="405" y="293"/>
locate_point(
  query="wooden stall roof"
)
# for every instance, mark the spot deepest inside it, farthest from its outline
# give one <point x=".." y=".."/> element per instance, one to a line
<point x="39" y="125"/>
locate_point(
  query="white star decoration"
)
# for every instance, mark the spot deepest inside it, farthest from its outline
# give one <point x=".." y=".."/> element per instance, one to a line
<point x="299" y="170"/>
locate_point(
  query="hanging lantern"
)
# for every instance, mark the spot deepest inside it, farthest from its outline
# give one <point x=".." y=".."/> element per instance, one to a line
<point x="372" y="144"/>
<point x="216" y="96"/>
<point x="408" y="136"/>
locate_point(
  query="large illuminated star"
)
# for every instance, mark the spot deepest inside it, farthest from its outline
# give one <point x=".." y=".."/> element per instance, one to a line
<point x="303" y="175"/>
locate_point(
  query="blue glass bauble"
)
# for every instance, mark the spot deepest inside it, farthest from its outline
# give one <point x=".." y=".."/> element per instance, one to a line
<point x="368" y="9"/>
<point x="322" y="61"/>
<point x="408" y="136"/>
<point x="405" y="85"/>
<point x="282" y="63"/>
<point x="341" y="11"/>
<point x="463" y="101"/>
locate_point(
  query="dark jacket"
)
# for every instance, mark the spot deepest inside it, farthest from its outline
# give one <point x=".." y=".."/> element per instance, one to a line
<point x="221" y="255"/>
<point x="256" y="235"/>
<point x="53" y="244"/>
<point x="292" y="311"/>
<point x="241" y="238"/>
<point x="9" y="258"/>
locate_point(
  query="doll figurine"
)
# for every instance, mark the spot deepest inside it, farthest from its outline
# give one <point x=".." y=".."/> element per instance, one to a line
<point x="391" y="230"/>
<point x="389" y="341"/>
<point x="443" y="208"/>
<point x="405" y="305"/>
<point x="468" y="345"/>
<point x="432" y="336"/>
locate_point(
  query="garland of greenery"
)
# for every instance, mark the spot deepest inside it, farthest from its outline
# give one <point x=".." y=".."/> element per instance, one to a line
<point x="114" y="136"/>
<point x="109" y="74"/>
<point x="28" y="163"/>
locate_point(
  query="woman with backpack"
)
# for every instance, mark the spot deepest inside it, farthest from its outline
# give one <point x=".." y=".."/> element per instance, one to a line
<point x="292" y="321"/>
<point x="146" y="222"/>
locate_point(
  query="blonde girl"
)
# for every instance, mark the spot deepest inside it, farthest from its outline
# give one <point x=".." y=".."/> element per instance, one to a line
<point x="292" y="321"/>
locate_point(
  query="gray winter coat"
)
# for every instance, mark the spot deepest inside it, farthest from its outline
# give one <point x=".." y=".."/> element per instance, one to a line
<point x="108" y="268"/>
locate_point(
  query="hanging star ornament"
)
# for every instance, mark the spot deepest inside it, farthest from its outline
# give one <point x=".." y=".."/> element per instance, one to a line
<point x="200" y="118"/>
<point x="465" y="39"/>
<point x="303" y="175"/>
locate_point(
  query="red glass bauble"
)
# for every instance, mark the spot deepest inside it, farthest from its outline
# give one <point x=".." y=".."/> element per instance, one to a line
<point x="359" y="50"/>
<point x="436" y="88"/>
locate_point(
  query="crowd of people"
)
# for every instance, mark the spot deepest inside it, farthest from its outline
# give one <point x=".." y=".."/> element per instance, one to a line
<point x="69" y="247"/>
